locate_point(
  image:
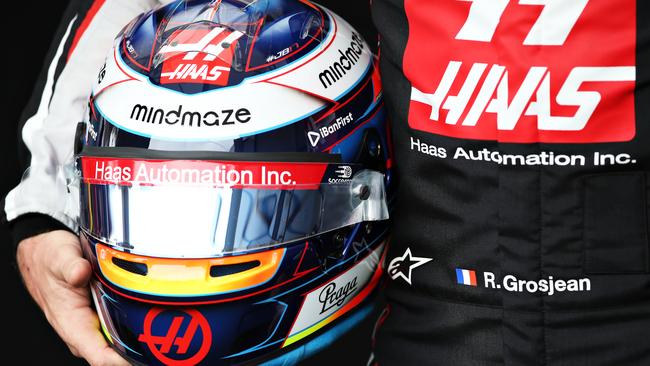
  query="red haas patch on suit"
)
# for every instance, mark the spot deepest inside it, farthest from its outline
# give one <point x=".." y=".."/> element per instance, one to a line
<point x="199" y="56"/>
<point x="550" y="71"/>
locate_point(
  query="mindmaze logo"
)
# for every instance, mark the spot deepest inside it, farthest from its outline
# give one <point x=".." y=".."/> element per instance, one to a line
<point x="224" y="117"/>
<point x="333" y="296"/>
<point x="349" y="57"/>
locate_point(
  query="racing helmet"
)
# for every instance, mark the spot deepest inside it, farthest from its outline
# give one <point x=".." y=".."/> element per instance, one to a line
<point x="234" y="176"/>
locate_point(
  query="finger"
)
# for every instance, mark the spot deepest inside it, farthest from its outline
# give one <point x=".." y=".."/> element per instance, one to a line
<point x="108" y="356"/>
<point x="74" y="351"/>
<point x="83" y="335"/>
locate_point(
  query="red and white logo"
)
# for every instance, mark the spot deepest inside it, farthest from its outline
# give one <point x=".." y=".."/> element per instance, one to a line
<point x="280" y="175"/>
<point x="199" y="56"/>
<point x="177" y="347"/>
<point x="523" y="70"/>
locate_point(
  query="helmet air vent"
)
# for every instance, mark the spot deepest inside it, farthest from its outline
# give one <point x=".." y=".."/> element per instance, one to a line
<point x="133" y="267"/>
<point x="230" y="269"/>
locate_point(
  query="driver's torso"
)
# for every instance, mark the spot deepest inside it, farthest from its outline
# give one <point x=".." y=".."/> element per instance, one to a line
<point x="521" y="136"/>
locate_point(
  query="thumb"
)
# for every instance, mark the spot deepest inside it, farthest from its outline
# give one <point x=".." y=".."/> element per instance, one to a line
<point x="77" y="273"/>
<point x="70" y="266"/>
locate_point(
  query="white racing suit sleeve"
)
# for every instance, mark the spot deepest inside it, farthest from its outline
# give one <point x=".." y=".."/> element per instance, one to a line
<point x="85" y="35"/>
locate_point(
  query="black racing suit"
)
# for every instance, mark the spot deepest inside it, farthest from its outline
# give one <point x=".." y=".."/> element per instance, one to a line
<point x="522" y="139"/>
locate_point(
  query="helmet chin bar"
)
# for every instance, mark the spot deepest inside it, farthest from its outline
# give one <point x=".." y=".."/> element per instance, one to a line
<point x="187" y="277"/>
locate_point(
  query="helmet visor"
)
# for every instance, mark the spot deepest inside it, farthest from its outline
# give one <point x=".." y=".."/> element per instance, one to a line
<point x="207" y="208"/>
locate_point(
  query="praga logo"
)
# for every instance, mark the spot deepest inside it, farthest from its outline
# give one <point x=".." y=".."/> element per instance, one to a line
<point x="333" y="296"/>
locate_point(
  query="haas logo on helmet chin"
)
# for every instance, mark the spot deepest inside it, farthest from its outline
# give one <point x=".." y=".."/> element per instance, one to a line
<point x="199" y="56"/>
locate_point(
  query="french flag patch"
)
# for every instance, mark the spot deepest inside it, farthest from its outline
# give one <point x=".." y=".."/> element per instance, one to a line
<point x="466" y="277"/>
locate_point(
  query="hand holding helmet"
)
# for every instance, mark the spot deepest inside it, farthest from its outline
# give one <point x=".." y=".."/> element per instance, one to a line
<point x="56" y="275"/>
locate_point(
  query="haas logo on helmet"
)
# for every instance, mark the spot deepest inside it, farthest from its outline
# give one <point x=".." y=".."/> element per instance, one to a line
<point x="199" y="56"/>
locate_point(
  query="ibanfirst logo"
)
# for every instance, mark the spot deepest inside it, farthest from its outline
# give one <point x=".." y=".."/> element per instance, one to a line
<point x="349" y="57"/>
